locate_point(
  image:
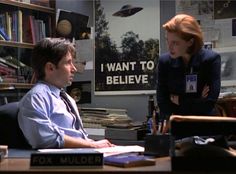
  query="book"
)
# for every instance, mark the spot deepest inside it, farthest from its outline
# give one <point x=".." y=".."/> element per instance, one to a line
<point x="2" y="60"/>
<point x="67" y="158"/>
<point x="32" y="28"/>
<point x="1" y="37"/>
<point x="9" y="25"/>
<point x="3" y="34"/>
<point x="129" y="160"/>
<point x="19" y="26"/>
<point x="3" y="24"/>
<point x="4" y="69"/>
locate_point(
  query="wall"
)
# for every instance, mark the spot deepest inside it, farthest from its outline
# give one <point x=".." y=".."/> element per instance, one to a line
<point x="136" y="105"/>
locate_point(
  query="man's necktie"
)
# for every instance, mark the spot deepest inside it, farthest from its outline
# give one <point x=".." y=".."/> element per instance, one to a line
<point x="69" y="106"/>
<point x="77" y="121"/>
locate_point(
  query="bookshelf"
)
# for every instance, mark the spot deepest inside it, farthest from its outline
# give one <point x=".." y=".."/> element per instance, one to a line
<point x="22" y="24"/>
<point x="16" y="44"/>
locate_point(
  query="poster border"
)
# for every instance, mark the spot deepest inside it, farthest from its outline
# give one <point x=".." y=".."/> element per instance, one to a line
<point x="127" y="92"/>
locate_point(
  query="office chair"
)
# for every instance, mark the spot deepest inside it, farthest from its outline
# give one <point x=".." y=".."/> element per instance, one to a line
<point x="10" y="132"/>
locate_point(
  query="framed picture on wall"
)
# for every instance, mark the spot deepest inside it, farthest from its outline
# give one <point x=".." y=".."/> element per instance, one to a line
<point x="224" y="9"/>
<point x="126" y="46"/>
<point x="80" y="91"/>
<point x="228" y="65"/>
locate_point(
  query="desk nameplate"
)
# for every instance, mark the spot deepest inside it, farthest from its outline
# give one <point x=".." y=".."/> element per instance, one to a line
<point x="81" y="160"/>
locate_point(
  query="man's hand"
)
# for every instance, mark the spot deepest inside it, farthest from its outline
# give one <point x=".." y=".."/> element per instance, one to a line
<point x="102" y="143"/>
<point x="74" y="142"/>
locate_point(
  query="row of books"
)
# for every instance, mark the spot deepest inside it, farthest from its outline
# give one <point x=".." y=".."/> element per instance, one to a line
<point x="11" y="26"/>
<point x="19" y="27"/>
<point x="10" y="72"/>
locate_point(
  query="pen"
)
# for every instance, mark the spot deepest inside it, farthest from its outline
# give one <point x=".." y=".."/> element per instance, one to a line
<point x="154" y="127"/>
<point x="164" y="127"/>
<point x="159" y="128"/>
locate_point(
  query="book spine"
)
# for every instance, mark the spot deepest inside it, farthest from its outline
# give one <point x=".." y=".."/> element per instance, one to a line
<point x="2" y="60"/>
<point x="32" y="28"/>
<point x="7" y="70"/>
<point x="14" y="26"/>
<point x="19" y="30"/>
<point x="2" y="38"/>
<point x="8" y="23"/>
<point x="3" y="34"/>
<point x="66" y="159"/>
<point x="3" y="22"/>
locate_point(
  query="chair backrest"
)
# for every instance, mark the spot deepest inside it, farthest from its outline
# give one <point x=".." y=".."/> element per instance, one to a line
<point x="10" y="132"/>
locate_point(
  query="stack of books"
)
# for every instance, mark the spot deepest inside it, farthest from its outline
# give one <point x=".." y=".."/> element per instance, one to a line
<point x="101" y="117"/>
<point x="14" y="71"/>
<point x="96" y="120"/>
<point x="8" y="71"/>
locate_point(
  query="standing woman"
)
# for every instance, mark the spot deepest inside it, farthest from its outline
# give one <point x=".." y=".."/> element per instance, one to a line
<point x="188" y="76"/>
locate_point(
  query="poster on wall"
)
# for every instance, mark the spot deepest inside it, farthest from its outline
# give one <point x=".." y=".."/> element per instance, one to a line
<point x="228" y="64"/>
<point x="224" y="9"/>
<point x="126" y="46"/>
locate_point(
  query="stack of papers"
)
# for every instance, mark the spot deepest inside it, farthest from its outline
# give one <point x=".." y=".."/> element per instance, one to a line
<point x="107" y="151"/>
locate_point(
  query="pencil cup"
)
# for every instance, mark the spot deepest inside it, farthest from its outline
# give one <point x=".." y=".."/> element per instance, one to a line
<point x="157" y="145"/>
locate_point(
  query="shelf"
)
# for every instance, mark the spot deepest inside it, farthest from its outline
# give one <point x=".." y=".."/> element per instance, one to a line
<point x="29" y="6"/>
<point x="32" y="17"/>
<point x="12" y="86"/>
<point x="16" y="44"/>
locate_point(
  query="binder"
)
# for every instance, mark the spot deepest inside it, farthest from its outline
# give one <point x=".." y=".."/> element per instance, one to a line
<point x="129" y="160"/>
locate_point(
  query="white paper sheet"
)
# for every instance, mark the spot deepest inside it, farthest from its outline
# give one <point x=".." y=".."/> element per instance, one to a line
<point x="107" y="151"/>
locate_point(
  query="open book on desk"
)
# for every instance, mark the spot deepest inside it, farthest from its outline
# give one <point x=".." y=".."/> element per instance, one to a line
<point x="108" y="151"/>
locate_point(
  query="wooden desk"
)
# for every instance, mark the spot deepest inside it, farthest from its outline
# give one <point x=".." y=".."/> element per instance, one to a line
<point x="163" y="166"/>
<point x="21" y="165"/>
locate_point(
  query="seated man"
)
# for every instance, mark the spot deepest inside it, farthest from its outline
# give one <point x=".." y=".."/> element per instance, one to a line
<point x="47" y="118"/>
